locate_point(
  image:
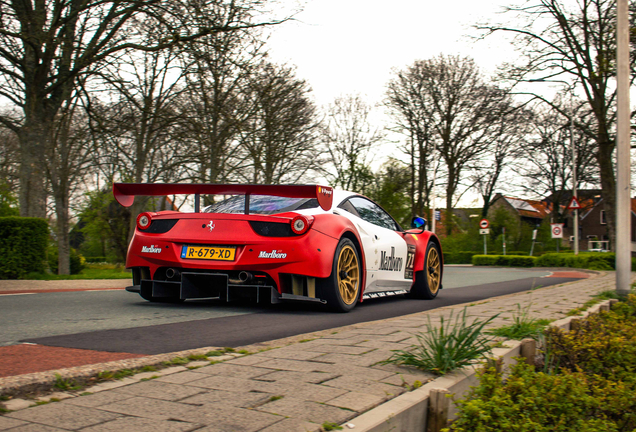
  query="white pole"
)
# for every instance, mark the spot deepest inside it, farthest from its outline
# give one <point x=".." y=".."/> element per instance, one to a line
<point x="433" y="192"/>
<point x="623" y="207"/>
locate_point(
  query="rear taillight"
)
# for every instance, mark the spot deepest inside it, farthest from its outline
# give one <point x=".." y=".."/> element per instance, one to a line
<point x="299" y="224"/>
<point x="143" y="221"/>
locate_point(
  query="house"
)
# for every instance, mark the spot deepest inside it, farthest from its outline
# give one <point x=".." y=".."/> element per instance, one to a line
<point x="532" y="212"/>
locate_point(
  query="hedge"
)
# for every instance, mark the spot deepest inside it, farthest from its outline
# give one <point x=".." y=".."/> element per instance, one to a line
<point x="23" y="246"/>
<point x="458" y="257"/>
<point x="504" y="260"/>
<point x="586" y="260"/>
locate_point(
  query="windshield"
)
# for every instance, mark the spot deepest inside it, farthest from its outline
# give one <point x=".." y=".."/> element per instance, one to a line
<point x="261" y="204"/>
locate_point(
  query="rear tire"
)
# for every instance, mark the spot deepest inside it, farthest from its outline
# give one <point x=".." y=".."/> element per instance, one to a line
<point x="341" y="289"/>
<point x="428" y="281"/>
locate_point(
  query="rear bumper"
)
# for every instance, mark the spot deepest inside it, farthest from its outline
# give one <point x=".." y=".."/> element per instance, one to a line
<point x="213" y="286"/>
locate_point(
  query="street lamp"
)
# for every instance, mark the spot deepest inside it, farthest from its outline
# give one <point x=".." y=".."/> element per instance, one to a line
<point x="574" y="194"/>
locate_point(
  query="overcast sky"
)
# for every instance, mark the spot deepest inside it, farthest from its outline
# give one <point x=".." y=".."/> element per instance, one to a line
<point x="351" y="46"/>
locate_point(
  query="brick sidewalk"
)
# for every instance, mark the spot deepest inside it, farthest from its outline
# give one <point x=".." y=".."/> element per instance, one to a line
<point x="297" y="387"/>
<point x="16" y="286"/>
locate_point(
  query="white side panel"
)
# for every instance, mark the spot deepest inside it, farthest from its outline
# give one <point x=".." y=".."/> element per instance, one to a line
<point x="384" y="253"/>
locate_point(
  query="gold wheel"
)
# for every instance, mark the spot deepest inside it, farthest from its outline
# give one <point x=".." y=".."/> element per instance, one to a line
<point x="433" y="270"/>
<point x="348" y="275"/>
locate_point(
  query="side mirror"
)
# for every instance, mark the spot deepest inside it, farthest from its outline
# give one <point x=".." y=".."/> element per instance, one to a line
<point x="418" y="222"/>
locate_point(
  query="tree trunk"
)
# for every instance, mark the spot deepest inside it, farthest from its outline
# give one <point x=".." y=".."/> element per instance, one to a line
<point x="33" y="142"/>
<point x="608" y="186"/>
<point x="63" y="237"/>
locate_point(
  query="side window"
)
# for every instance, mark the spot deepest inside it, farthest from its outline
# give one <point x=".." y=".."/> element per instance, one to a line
<point x="372" y="213"/>
<point x="346" y="205"/>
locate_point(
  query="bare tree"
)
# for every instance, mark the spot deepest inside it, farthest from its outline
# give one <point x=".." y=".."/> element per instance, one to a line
<point x="138" y="129"/>
<point x="573" y="41"/>
<point x="545" y="160"/>
<point x="214" y="106"/>
<point x="45" y="46"/>
<point x="66" y="161"/>
<point x="405" y="98"/>
<point x="348" y="138"/>
<point x="462" y="113"/>
<point x="507" y="140"/>
<point x="279" y="137"/>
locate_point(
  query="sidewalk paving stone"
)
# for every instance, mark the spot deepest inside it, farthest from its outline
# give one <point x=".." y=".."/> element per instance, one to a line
<point x="149" y="408"/>
<point x="233" y="399"/>
<point x="308" y="411"/>
<point x="160" y="390"/>
<point x="232" y="419"/>
<point x="331" y="376"/>
<point x="63" y="415"/>
<point x="356" y="401"/>
<point x="137" y="424"/>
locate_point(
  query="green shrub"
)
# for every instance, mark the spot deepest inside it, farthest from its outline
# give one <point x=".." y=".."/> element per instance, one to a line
<point x="585" y="260"/>
<point x="96" y="259"/>
<point x="76" y="261"/>
<point x="458" y="257"/>
<point x="530" y="401"/>
<point x="587" y="383"/>
<point x="23" y="246"/>
<point x="504" y="260"/>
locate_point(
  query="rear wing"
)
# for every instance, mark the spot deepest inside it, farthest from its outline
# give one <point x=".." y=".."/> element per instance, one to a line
<point x="125" y="192"/>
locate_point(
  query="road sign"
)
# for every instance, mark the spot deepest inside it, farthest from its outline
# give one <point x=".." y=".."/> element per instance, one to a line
<point x="557" y="230"/>
<point x="574" y="204"/>
<point x="483" y="224"/>
<point x="484" y="231"/>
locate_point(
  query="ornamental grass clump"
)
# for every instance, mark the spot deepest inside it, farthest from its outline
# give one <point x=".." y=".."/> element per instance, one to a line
<point x="451" y="345"/>
<point x="522" y="326"/>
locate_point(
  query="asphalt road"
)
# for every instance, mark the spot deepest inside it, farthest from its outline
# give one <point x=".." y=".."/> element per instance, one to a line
<point x="119" y="321"/>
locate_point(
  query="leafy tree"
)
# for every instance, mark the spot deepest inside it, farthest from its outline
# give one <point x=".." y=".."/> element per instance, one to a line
<point x="390" y="191"/>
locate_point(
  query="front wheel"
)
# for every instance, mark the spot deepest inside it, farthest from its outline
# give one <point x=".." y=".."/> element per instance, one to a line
<point x="341" y="289"/>
<point x="428" y="281"/>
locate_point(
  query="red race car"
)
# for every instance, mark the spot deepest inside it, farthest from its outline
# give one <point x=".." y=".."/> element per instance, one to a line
<point x="273" y="243"/>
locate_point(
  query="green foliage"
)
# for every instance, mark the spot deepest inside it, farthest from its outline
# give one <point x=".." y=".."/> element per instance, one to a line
<point x="446" y="347"/>
<point x="586" y="260"/>
<point x="23" y="246"/>
<point x="64" y="384"/>
<point x="77" y="261"/>
<point x="588" y="382"/>
<point x="103" y="227"/>
<point x="530" y="401"/>
<point x="458" y="257"/>
<point x="522" y="327"/>
<point x="329" y="426"/>
<point x="8" y="201"/>
<point x="603" y="344"/>
<point x="390" y="192"/>
<point x="504" y="260"/>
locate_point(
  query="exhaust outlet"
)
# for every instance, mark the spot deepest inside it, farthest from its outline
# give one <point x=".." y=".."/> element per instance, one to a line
<point x="171" y="273"/>
<point x="245" y="276"/>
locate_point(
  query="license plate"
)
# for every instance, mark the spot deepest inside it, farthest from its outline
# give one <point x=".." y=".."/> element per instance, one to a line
<point x="220" y="253"/>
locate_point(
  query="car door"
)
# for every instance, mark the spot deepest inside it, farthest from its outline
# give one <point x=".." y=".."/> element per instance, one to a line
<point x="385" y="249"/>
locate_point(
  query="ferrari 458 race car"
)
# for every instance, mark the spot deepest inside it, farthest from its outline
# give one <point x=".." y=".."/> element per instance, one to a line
<point x="273" y="243"/>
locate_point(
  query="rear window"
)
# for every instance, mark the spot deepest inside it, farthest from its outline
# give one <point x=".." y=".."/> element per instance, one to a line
<point x="261" y="204"/>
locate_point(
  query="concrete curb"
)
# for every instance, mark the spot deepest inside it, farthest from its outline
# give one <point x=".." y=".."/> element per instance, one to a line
<point x="409" y="412"/>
